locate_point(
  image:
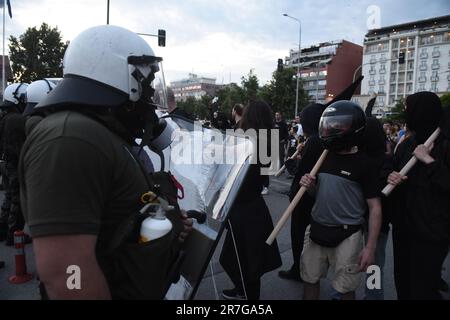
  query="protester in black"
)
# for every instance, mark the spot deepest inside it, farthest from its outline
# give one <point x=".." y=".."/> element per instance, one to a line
<point x="250" y="223"/>
<point x="301" y="216"/>
<point x="281" y="125"/>
<point x="421" y="225"/>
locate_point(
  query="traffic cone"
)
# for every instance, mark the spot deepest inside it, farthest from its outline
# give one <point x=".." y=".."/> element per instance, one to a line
<point x="21" y="275"/>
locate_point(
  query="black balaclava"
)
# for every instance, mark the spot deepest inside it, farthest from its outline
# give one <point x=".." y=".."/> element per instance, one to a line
<point x="310" y="118"/>
<point x="423" y="114"/>
<point x="373" y="142"/>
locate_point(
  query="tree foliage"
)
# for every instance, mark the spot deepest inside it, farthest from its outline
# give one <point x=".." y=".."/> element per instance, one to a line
<point x="445" y="100"/>
<point x="398" y="111"/>
<point x="37" y="54"/>
<point x="280" y="92"/>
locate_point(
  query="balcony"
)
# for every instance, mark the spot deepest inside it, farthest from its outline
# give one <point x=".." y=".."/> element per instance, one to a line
<point x="436" y="54"/>
<point x="382" y="71"/>
<point x="381" y="82"/>
<point x="435" y="66"/>
<point x="372" y="72"/>
<point x="423" y="67"/>
<point x="371" y="82"/>
<point x="423" y="55"/>
<point x="422" y="79"/>
<point x="373" y="61"/>
<point x="435" y="79"/>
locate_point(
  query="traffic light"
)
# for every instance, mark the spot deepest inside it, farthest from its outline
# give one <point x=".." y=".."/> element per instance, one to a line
<point x="280" y="65"/>
<point x="401" y="58"/>
<point x="161" y="38"/>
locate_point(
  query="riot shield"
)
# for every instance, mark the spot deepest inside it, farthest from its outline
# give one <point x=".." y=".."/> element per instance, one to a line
<point x="210" y="165"/>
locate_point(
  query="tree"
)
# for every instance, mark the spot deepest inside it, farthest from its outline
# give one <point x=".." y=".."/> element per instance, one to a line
<point x="280" y="92"/>
<point x="445" y="100"/>
<point x="250" y="86"/>
<point x="229" y="96"/>
<point x="398" y="111"/>
<point x="37" y="54"/>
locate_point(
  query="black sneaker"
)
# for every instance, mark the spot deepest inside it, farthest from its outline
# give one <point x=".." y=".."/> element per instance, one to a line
<point x="290" y="275"/>
<point x="233" y="294"/>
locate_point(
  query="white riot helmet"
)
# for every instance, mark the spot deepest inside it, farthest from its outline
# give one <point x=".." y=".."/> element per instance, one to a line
<point x="105" y="66"/>
<point x="15" y="95"/>
<point x="36" y="92"/>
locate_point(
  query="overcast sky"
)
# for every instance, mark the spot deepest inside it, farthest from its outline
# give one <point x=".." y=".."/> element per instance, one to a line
<point x="223" y="39"/>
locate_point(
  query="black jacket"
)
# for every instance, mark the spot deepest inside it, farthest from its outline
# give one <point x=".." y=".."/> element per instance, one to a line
<point x="251" y="225"/>
<point x="423" y="201"/>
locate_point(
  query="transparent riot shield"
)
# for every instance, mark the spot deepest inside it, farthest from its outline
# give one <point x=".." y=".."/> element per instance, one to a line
<point x="210" y="165"/>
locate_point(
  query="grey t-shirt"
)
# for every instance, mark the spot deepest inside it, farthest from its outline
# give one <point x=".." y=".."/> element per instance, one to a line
<point x="344" y="184"/>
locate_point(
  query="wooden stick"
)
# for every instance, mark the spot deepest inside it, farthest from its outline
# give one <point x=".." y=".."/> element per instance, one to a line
<point x="295" y="201"/>
<point x="408" y="166"/>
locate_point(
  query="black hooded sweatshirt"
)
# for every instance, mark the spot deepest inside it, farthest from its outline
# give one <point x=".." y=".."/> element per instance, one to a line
<point x="311" y="152"/>
<point x="423" y="201"/>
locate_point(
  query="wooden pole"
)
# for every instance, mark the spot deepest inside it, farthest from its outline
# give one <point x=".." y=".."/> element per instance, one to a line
<point x="410" y="164"/>
<point x="295" y="201"/>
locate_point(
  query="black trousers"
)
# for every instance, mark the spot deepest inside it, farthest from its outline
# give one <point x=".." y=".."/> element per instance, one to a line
<point x="11" y="214"/>
<point x="299" y="222"/>
<point x="252" y="288"/>
<point x="417" y="266"/>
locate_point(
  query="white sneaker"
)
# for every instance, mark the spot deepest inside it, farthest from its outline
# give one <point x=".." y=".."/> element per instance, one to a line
<point x="265" y="191"/>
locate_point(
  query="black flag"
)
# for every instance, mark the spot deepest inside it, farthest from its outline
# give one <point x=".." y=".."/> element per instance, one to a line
<point x="370" y="105"/>
<point x="348" y="92"/>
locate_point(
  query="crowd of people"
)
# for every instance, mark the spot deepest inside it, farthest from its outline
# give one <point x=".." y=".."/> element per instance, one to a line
<point x="74" y="175"/>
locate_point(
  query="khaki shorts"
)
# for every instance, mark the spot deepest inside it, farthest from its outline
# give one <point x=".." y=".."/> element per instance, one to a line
<point x="316" y="260"/>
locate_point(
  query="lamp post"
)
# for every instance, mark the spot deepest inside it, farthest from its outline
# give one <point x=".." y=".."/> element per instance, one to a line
<point x="107" y="12"/>
<point x="299" y="56"/>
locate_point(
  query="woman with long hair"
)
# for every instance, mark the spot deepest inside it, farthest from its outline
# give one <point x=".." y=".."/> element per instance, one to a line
<point x="245" y="256"/>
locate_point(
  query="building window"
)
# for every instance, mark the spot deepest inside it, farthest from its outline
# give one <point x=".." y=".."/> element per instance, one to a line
<point x="322" y="82"/>
<point x="392" y="88"/>
<point x="395" y="43"/>
<point x="381" y="89"/>
<point x="394" y="54"/>
<point x="410" y="65"/>
<point x="409" y="88"/>
<point x="435" y="64"/>
<point x="403" y="43"/>
<point x="371" y="90"/>
<point x="423" y="66"/>
<point x="421" y="87"/>
<point x="433" y="87"/>
<point x="323" y="73"/>
<point x="394" y="67"/>
<point x="436" y="53"/>
<point x="423" y="53"/>
<point x="383" y="57"/>
<point x="393" y="77"/>
<point x="409" y="76"/>
<point x="373" y="59"/>
<point x="410" y="42"/>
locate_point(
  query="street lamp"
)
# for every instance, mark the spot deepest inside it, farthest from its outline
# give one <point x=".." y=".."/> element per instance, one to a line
<point x="299" y="56"/>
